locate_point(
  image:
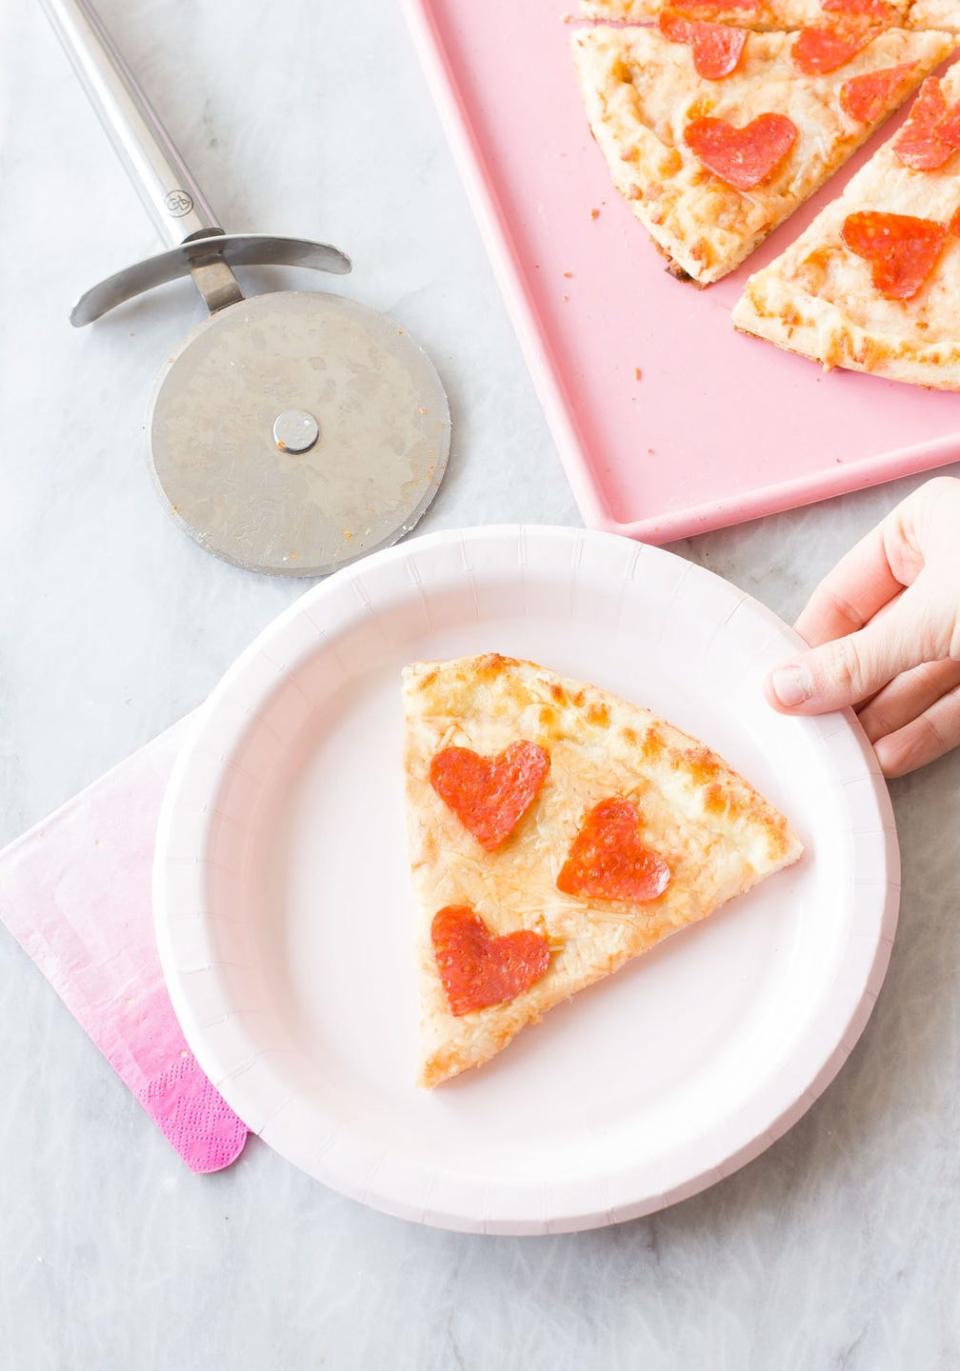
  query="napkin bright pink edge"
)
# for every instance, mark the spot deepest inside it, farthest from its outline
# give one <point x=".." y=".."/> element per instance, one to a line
<point x="75" y="892"/>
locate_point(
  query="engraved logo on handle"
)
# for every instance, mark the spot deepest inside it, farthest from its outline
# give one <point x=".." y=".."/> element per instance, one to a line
<point x="178" y="203"/>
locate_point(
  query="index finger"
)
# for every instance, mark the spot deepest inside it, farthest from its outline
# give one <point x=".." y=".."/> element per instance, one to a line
<point x="848" y="597"/>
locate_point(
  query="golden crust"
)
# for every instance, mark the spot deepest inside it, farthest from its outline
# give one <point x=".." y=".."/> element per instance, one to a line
<point x="818" y="299"/>
<point x="641" y="91"/>
<point x="718" y="834"/>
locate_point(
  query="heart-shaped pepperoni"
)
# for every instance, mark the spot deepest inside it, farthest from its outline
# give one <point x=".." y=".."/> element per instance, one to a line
<point x="948" y="129"/>
<point x="490" y="795"/>
<point x="742" y="157"/>
<point x="868" y="97"/>
<point x="608" y="861"/>
<point x="717" y="48"/>
<point x="478" y="969"/>
<point x="901" y="250"/>
<point x="675" y="28"/>
<point x="818" y="51"/>
<point x="932" y="133"/>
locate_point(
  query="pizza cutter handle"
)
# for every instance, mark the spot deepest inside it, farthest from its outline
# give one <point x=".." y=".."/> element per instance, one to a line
<point x="174" y="201"/>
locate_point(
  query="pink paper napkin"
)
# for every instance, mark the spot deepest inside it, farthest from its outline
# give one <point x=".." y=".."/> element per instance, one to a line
<point x="75" y="893"/>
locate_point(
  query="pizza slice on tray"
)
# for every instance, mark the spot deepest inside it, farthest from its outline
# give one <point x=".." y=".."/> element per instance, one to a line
<point x="556" y="832"/>
<point x="873" y="283"/>
<point x="765" y="14"/>
<point x="715" y="134"/>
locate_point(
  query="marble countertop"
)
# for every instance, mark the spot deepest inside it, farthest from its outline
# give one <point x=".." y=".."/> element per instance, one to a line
<point x="839" y="1248"/>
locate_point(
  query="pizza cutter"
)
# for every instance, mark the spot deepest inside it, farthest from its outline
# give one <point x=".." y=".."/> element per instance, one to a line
<point x="291" y="432"/>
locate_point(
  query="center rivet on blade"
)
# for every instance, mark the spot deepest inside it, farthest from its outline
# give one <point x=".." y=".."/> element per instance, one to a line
<point x="295" y="430"/>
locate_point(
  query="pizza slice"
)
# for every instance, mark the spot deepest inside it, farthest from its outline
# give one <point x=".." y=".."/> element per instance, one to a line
<point x="556" y="832"/>
<point x="715" y="135"/>
<point x="763" y="14"/>
<point x="873" y="283"/>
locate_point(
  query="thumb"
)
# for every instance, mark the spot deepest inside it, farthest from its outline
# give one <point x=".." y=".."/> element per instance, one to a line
<point x="850" y="669"/>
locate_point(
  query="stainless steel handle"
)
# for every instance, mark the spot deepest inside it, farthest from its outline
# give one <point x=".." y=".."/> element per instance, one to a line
<point x="174" y="201"/>
<point x="196" y="243"/>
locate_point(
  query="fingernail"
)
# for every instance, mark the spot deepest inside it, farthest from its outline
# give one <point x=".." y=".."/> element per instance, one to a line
<point x="791" y="685"/>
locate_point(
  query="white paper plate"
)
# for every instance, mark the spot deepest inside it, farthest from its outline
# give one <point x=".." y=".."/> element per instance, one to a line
<point x="283" y="913"/>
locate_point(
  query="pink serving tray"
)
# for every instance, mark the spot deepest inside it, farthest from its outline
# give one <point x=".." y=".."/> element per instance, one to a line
<point x="719" y="427"/>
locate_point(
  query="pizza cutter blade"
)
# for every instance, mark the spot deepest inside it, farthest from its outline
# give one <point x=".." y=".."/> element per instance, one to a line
<point x="292" y="432"/>
<point x="296" y="431"/>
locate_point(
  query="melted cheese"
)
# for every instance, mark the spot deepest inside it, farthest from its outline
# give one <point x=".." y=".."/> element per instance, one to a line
<point x="935" y="14"/>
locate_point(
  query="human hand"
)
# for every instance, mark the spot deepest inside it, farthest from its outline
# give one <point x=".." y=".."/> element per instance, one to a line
<point x="884" y="634"/>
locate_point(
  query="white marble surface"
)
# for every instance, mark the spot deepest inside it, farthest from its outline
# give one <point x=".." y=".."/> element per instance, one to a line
<point x="840" y="1248"/>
